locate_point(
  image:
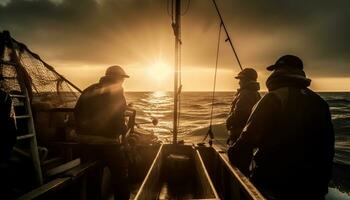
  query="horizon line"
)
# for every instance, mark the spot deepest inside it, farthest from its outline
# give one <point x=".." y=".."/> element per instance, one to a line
<point x="340" y="91"/>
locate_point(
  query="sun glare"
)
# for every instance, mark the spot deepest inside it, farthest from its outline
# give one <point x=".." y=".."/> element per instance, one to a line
<point x="159" y="71"/>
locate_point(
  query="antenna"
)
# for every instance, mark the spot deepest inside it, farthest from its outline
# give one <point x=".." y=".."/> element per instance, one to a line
<point x="177" y="31"/>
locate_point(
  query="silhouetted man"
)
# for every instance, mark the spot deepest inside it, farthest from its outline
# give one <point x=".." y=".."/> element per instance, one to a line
<point x="100" y="116"/>
<point x="100" y="108"/>
<point x="244" y="100"/>
<point x="290" y="133"/>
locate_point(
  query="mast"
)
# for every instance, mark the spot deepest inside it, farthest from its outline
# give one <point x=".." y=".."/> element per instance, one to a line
<point x="177" y="31"/>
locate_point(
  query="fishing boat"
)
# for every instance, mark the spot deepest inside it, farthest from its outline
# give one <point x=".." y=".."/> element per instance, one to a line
<point x="61" y="168"/>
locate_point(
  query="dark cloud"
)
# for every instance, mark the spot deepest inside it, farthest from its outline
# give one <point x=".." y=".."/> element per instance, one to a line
<point x="315" y="30"/>
<point x="83" y="30"/>
<point x="108" y="31"/>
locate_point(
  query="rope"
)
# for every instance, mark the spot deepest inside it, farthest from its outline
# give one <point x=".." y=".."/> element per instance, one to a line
<point x="179" y="89"/>
<point x="215" y="75"/>
<point x="222" y="25"/>
<point x="210" y="132"/>
<point x="187" y="8"/>
<point x="170" y="9"/>
<point x="228" y="36"/>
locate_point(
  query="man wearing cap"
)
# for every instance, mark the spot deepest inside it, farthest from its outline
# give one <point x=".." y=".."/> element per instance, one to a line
<point x="290" y="133"/>
<point x="245" y="98"/>
<point x="100" y="119"/>
<point x="100" y="108"/>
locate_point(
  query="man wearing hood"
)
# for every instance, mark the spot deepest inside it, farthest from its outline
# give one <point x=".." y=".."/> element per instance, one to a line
<point x="244" y="100"/>
<point x="100" y="119"/>
<point x="290" y="134"/>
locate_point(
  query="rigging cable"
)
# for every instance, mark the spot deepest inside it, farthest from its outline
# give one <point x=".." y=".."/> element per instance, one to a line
<point x="210" y="132"/>
<point x="187" y="8"/>
<point x="228" y="36"/>
<point x="222" y="25"/>
<point x="170" y="9"/>
<point x="180" y="88"/>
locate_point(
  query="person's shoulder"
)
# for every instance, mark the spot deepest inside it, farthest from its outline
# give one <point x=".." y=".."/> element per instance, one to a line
<point x="269" y="98"/>
<point x="87" y="92"/>
<point x="316" y="98"/>
<point x="90" y="88"/>
<point x="275" y="95"/>
<point x="248" y="93"/>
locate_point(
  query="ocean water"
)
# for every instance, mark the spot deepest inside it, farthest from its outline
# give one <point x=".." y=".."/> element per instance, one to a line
<point x="195" y="114"/>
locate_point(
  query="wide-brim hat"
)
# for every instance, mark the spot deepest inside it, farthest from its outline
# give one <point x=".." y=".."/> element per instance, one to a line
<point x="116" y="71"/>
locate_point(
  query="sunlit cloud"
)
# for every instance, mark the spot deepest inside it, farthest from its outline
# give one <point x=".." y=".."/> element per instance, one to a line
<point x="87" y="36"/>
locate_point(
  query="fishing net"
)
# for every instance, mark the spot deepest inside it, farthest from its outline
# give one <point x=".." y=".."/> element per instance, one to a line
<point x="43" y="83"/>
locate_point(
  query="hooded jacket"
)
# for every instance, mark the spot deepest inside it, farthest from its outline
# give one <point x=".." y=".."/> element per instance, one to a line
<point x="290" y="135"/>
<point x="244" y="100"/>
<point x="100" y="110"/>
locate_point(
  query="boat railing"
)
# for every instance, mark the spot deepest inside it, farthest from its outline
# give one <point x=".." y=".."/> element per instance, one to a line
<point x="75" y="183"/>
<point x="177" y="172"/>
<point x="229" y="182"/>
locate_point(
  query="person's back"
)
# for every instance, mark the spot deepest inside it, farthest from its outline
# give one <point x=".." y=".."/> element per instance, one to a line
<point x="244" y="100"/>
<point x="100" y="112"/>
<point x="296" y="154"/>
<point x="246" y="97"/>
<point x="292" y="135"/>
<point x="99" y="115"/>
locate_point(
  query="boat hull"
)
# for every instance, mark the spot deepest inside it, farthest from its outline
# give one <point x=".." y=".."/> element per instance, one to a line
<point x="178" y="172"/>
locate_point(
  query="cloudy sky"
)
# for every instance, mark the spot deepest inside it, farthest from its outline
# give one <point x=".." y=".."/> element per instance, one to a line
<point x="83" y="37"/>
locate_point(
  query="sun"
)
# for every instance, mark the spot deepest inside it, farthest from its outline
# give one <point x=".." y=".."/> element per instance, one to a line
<point x="159" y="71"/>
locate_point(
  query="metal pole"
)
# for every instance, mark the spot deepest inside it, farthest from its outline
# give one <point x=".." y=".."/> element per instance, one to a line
<point x="177" y="64"/>
<point x="228" y="36"/>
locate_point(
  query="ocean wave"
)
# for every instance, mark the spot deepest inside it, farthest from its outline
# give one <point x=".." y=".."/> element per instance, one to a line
<point x="342" y="158"/>
<point x="341" y="117"/>
<point x="334" y="101"/>
<point x="221" y="115"/>
<point x="195" y="114"/>
<point x="217" y="104"/>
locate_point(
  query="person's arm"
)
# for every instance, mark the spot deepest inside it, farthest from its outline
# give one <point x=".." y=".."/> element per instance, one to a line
<point x="243" y="109"/>
<point x="119" y="115"/>
<point x="240" y="114"/>
<point x="230" y="117"/>
<point x="260" y="122"/>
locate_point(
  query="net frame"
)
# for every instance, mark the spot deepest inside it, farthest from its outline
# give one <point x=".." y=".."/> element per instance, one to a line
<point x="43" y="82"/>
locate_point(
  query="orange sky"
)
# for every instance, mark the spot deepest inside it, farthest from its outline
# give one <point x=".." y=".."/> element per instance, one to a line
<point x="193" y="79"/>
<point x="81" y="38"/>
